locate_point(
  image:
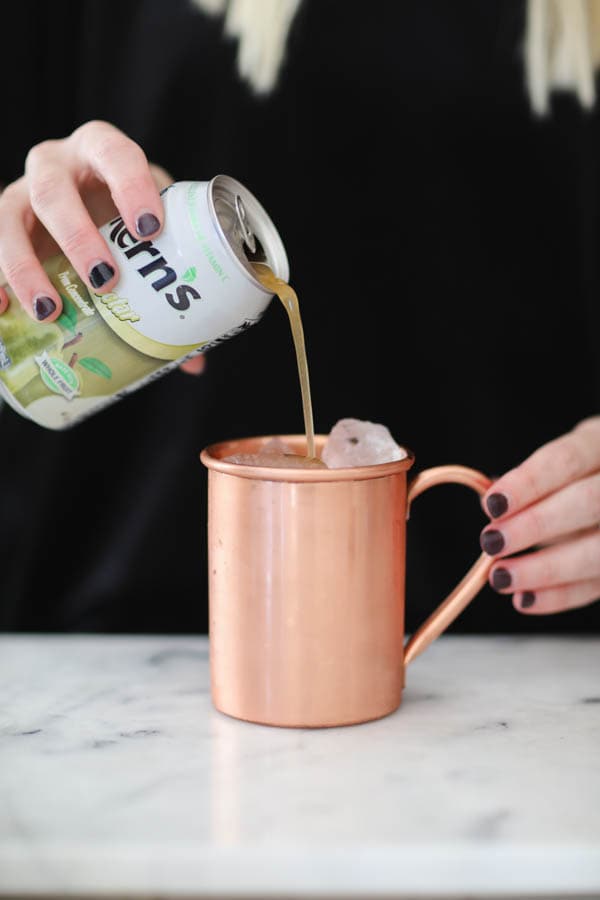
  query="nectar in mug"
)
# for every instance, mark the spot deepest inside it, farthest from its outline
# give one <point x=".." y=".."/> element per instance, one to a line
<point x="177" y="296"/>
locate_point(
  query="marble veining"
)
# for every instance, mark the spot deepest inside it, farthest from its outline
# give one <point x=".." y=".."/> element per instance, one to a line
<point x="118" y="776"/>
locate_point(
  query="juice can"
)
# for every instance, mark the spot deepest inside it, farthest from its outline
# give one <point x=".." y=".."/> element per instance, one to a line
<point x="181" y="294"/>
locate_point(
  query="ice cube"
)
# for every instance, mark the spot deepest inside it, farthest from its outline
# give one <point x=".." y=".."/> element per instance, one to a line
<point x="356" y="442"/>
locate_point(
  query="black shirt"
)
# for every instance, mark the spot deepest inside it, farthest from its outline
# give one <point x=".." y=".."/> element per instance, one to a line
<point x="443" y="243"/>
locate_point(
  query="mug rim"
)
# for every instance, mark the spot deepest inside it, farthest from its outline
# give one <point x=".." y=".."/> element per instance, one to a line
<point x="211" y="458"/>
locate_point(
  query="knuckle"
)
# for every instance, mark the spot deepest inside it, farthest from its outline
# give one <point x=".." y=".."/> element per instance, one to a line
<point x="74" y="240"/>
<point x="105" y="147"/>
<point x="534" y="525"/>
<point x="592" y="490"/>
<point x="591" y="556"/>
<point x="39" y="154"/>
<point x="136" y="155"/>
<point x="548" y="569"/>
<point x="529" y="477"/>
<point x="44" y="190"/>
<point x="5" y="230"/>
<point x="570" y="458"/>
<point x="133" y="186"/>
<point x="16" y="270"/>
<point x="591" y="424"/>
<point x="93" y="127"/>
<point x="116" y="148"/>
<point x="570" y="595"/>
<point x="12" y="193"/>
<point x="559" y="598"/>
<point x="90" y="132"/>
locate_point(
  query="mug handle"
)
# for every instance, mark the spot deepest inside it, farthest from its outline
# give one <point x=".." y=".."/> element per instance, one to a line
<point x="475" y="578"/>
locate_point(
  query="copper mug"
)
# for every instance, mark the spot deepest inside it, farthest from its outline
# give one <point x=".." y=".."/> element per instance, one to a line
<point x="306" y="586"/>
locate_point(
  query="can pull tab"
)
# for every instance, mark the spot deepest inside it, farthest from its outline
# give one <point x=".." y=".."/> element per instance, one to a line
<point x="242" y="221"/>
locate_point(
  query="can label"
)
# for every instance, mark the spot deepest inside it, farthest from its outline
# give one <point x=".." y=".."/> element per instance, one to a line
<point x="59" y="373"/>
<point x="176" y="296"/>
<point x="162" y="306"/>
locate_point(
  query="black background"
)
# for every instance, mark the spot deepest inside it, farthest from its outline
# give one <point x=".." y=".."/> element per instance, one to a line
<point x="443" y="243"/>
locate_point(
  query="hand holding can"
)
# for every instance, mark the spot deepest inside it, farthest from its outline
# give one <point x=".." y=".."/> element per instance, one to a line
<point x="165" y="300"/>
<point x="69" y="187"/>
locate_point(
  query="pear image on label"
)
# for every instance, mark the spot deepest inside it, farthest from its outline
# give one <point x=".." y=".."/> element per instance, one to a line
<point x="25" y="344"/>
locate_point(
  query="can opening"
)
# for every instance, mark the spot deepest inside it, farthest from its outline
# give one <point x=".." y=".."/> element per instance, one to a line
<point x="247" y="229"/>
<point x="258" y="255"/>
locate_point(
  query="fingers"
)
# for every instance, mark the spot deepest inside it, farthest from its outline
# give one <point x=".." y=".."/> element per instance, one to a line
<point x="57" y="203"/>
<point x="560" y="577"/>
<point x="553" y="500"/>
<point x="558" y="599"/>
<point x="194" y="366"/>
<point x="22" y="269"/>
<point x="96" y="157"/>
<point x="574" y="507"/>
<point x="121" y="164"/>
<point x="556" y="464"/>
<point x="573" y="560"/>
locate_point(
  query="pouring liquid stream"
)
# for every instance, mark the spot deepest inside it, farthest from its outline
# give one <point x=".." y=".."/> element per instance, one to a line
<point x="289" y="298"/>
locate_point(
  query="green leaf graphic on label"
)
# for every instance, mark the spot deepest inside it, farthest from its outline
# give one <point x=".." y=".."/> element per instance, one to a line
<point x="68" y="317"/>
<point x="96" y="366"/>
<point x="189" y="274"/>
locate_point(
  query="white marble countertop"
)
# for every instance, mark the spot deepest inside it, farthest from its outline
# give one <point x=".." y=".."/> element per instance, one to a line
<point x="117" y="777"/>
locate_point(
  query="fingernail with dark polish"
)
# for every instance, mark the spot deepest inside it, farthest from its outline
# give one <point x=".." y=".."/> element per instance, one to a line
<point x="147" y="224"/>
<point x="501" y="579"/>
<point x="527" y="599"/>
<point x="492" y="542"/>
<point x="497" y="505"/>
<point x="100" y="274"/>
<point x="43" y="307"/>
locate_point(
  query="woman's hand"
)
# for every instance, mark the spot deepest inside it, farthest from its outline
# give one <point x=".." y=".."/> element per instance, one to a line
<point x="550" y="506"/>
<point x="71" y="186"/>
